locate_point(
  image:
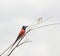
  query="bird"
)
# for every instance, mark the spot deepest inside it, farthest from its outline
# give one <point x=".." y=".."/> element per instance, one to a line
<point x="21" y="33"/>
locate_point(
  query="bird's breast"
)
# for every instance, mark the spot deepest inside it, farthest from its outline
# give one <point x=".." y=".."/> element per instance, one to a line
<point x="22" y="32"/>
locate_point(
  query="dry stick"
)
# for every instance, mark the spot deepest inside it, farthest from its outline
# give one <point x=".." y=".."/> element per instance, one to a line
<point x="11" y="52"/>
<point x="46" y="26"/>
<point x="23" y="43"/>
<point x="34" y="22"/>
<point x="6" y="50"/>
<point x="17" y="46"/>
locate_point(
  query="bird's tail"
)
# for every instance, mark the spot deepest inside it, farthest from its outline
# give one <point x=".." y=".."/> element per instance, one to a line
<point x="11" y="46"/>
<point x="16" y="40"/>
<point x="14" y="43"/>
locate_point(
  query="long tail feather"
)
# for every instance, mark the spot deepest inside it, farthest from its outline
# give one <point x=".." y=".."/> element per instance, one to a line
<point x="11" y="46"/>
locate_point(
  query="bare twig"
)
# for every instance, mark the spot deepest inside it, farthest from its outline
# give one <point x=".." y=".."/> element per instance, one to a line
<point x="46" y="26"/>
<point x="18" y="46"/>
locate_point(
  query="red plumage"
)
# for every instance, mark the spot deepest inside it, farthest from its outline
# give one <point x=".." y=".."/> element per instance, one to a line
<point x="21" y="33"/>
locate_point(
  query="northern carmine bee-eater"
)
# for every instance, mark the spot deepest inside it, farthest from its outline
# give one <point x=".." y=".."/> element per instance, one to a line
<point x="21" y="33"/>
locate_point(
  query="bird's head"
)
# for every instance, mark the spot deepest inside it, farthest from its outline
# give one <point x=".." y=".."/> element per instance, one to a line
<point x="24" y="27"/>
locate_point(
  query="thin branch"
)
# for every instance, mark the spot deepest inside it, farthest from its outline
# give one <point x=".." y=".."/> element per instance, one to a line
<point x="5" y="50"/>
<point x="18" y="46"/>
<point x="46" y="26"/>
<point x="24" y="42"/>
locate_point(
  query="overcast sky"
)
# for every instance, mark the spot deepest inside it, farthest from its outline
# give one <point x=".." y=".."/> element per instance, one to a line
<point x="16" y="13"/>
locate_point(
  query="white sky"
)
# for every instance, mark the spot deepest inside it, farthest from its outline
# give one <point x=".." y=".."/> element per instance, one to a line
<point x="15" y="13"/>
